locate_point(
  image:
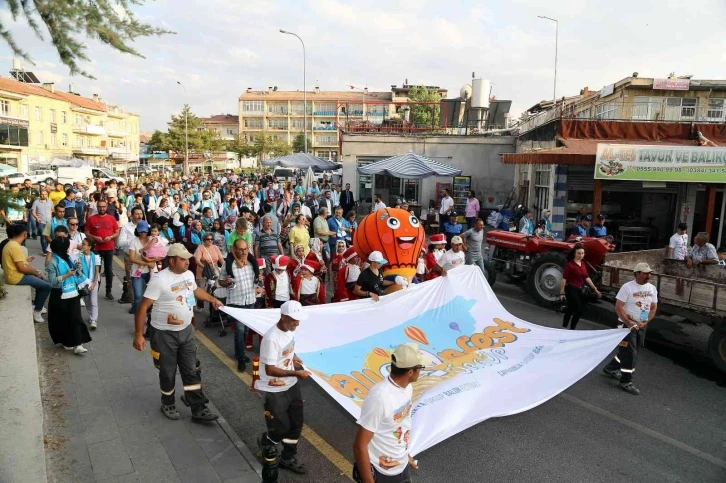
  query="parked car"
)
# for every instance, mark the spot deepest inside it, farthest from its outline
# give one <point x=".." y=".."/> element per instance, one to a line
<point x="17" y="178"/>
<point x="47" y="176"/>
<point x="140" y="171"/>
<point x="69" y="175"/>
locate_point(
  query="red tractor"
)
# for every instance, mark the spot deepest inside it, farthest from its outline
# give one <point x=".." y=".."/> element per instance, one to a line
<point x="540" y="261"/>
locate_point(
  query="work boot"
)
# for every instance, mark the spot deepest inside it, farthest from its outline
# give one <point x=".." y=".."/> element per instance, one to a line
<point x="241" y="366"/>
<point x="109" y="295"/>
<point x="611" y="373"/>
<point x="293" y="465"/>
<point x="170" y="412"/>
<point x="203" y="413"/>
<point x="629" y="387"/>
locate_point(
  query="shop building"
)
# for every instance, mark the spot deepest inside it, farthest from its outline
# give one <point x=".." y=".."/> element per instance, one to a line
<point x="558" y="166"/>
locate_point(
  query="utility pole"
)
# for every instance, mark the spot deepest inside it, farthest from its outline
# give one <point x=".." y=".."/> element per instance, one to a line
<point x="186" y="133"/>
<point x="557" y="35"/>
<point x="305" y="90"/>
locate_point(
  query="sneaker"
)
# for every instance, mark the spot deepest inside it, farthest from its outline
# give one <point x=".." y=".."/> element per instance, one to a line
<point x="44" y="311"/>
<point x="132" y="310"/>
<point x="93" y="325"/>
<point x="125" y="300"/>
<point x="80" y="350"/>
<point x="241" y="366"/>
<point x="38" y="317"/>
<point x="611" y="373"/>
<point x="628" y="387"/>
<point x="203" y="413"/>
<point x="109" y="296"/>
<point x="68" y="348"/>
<point x="83" y="304"/>
<point x="293" y="465"/>
<point x="170" y="412"/>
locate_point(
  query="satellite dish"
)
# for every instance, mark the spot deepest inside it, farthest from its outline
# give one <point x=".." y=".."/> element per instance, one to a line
<point x="465" y="92"/>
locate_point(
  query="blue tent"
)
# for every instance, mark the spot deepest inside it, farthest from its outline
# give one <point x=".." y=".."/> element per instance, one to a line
<point x="302" y="161"/>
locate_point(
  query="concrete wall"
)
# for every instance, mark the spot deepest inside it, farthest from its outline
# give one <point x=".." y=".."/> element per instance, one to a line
<point x="478" y="157"/>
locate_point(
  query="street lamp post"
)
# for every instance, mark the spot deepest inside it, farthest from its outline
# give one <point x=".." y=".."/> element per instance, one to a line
<point x="186" y="134"/>
<point x="557" y="34"/>
<point x="305" y="91"/>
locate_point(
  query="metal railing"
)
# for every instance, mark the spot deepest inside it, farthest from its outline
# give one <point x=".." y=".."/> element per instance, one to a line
<point x="667" y="110"/>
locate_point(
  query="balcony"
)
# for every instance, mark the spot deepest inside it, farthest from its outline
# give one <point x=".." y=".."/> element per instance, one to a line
<point x="91" y="150"/>
<point x="325" y="128"/>
<point x="324" y="113"/>
<point x="89" y="129"/>
<point x="117" y="133"/>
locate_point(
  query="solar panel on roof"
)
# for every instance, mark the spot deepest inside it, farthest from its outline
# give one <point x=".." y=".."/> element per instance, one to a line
<point x="23" y="76"/>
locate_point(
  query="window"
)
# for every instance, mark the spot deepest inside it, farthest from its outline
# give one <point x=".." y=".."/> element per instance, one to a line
<point x="299" y="108"/>
<point x="680" y="108"/>
<point x="277" y="123"/>
<point x="299" y="123"/>
<point x="715" y="110"/>
<point x="64" y="117"/>
<point x="327" y="139"/>
<point x="52" y="115"/>
<point x="39" y="138"/>
<point x="607" y="110"/>
<point x="38" y="113"/>
<point x="324" y="109"/>
<point x="5" y="108"/>
<point x="277" y="109"/>
<point x="79" y="120"/>
<point x="231" y="131"/>
<point x="542" y="187"/>
<point x="64" y="139"/>
<point x="325" y="154"/>
<point x="255" y="123"/>
<point x="52" y="139"/>
<point x="253" y="106"/>
<point x="13" y="135"/>
<point x="24" y="111"/>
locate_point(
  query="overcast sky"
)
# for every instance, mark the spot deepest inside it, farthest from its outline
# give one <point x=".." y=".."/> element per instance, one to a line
<point x="223" y="46"/>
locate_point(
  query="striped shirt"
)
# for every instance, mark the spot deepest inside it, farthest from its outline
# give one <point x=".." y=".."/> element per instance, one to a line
<point x="267" y="243"/>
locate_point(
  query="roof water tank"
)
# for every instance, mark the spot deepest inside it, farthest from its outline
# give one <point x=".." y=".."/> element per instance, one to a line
<point x="480" y="94"/>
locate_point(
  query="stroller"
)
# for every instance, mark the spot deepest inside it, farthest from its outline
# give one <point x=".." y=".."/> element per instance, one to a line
<point x="216" y="316"/>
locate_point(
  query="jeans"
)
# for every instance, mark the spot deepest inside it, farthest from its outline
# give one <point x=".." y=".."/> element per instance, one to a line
<point x="470" y="220"/>
<point x="107" y="258"/>
<point x="138" y="284"/>
<point x="479" y="262"/>
<point x="43" y="242"/>
<point x="32" y="226"/>
<point x="42" y="290"/>
<point x="240" y="334"/>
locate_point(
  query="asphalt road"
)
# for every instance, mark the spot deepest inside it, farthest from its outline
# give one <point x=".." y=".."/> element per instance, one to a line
<point x="675" y="431"/>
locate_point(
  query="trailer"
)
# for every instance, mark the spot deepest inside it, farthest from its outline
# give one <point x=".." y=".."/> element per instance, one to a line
<point x="697" y="294"/>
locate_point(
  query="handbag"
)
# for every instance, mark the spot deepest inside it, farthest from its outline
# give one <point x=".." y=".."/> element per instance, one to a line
<point x="209" y="271"/>
<point x="84" y="292"/>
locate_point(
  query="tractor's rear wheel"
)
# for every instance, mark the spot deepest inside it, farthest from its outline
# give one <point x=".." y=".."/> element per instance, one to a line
<point x="717" y="346"/>
<point x="490" y="273"/>
<point x="545" y="278"/>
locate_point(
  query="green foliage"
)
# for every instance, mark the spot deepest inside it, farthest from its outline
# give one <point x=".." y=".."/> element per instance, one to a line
<point x="424" y="114"/>
<point x="240" y="146"/>
<point x="111" y="22"/>
<point x="266" y="145"/>
<point x="298" y="144"/>
<point x="158" y="141"/>
<point x="6" y="200"/>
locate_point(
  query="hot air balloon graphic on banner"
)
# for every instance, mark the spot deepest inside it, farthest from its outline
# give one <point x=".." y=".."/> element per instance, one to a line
<point x="416" y="335"/>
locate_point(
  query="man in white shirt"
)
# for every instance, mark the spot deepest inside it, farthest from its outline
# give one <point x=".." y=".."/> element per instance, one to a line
<point x="453" y="258"/>
<point x="384" y="426"/>
<point x="445" y="209"/>
<point x="327" y="202"/>
<point x="378" y="203"/>
<point x="280" y="370"/>
<point x="173" y="292"/>
<point x="678" y="244"/>
<point x="122" y="243"/>
<point x="636" y="305"/>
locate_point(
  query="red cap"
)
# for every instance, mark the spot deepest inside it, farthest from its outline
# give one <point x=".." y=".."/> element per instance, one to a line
<point x="310" y="265"/>
<point x="261" y="263"/>
<point x="437" y="238"/>
<point x="349" y="254"/>
<point x="280" y="262"/>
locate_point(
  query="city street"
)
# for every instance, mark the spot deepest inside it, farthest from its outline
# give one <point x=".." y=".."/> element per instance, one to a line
<point x="675" y="431"/>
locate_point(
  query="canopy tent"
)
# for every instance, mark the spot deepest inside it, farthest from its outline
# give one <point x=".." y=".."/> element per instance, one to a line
<point x="302" y="161"/>
<point x="410" y="165"/>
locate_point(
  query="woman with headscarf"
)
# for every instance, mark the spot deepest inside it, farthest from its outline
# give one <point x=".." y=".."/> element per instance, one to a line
<point x="65" y="321"/>
<point x="546" y="214"/>
<point x="220" y="236"/>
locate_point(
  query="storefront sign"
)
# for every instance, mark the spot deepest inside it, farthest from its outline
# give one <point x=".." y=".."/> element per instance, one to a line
<point x="14" y="122"/>
<point x="671" y="84"/>
<point x="689" y="164"/>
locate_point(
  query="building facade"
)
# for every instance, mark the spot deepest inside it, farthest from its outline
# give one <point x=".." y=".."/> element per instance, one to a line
<point x="39" y="123"/>
<point x="281" y="114"/>
<point x="557" y="151"/>
<point x="226" y="125"/>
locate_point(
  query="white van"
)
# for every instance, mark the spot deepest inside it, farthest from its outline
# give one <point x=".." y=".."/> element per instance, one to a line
<point x="69" y="175"/>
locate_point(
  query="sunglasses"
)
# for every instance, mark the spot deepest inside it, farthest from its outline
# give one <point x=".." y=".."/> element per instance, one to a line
<point x="208" y="239"/>
<point x="73" y="224"/>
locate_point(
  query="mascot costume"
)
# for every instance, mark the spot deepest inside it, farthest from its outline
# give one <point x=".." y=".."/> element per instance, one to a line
<point x="398" y="235"/>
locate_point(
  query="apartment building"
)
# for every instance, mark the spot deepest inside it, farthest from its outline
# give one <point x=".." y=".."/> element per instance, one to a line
<point x="39" y="123"/>
<point x="226" y="125"/>
<point x="281" y="114"/>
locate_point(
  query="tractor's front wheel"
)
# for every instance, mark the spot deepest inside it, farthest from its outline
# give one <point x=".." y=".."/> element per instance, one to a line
<point x="545" y="278"/>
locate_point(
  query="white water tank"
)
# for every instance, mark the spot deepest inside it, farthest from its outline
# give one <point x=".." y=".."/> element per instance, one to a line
<point x="480" y="94"/>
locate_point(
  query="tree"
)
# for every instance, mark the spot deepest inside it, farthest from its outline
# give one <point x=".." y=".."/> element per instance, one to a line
<point x="158" y="142"/>
<point x="240" y="146"/>
<point x="424" y="114"/>
<point x="267" y="145"/>
<point x="111" y="22"/>
<point x="298" y="144"/>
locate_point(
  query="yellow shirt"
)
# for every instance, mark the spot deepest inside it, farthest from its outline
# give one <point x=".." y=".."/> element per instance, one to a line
<point x="300" y="236"/>
<point x="56" y="196"/>
<point x="12" y="253"/>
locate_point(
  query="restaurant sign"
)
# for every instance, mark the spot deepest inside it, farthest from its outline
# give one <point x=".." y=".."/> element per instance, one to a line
<point x="689" y="164"/>
<point x="14" y="122"/>
<point x="671" y="84"/>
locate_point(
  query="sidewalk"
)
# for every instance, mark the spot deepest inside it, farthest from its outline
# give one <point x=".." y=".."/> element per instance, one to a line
<point x="102" y="417"/>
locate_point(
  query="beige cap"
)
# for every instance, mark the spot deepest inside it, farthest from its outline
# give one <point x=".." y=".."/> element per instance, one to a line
<point x="178" y="250"/>
<point x="407" y="356"/>
<point x="456" y="240"/>
<point x="642" y="267"/>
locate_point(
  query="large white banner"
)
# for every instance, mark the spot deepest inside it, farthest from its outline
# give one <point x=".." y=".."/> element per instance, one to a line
<point x="483" y="361"/>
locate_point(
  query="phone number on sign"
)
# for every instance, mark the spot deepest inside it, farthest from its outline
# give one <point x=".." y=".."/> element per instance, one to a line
<point x="665" y="169"/>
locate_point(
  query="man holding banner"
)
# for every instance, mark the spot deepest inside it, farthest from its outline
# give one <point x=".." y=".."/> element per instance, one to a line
<point x="381" y="445"/>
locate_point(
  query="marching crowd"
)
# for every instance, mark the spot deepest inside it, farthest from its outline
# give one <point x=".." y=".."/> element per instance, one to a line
<point x="249" y="240"/>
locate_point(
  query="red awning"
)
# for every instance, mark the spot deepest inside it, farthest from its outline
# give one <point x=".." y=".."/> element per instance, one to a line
<point x="577" y="151"/>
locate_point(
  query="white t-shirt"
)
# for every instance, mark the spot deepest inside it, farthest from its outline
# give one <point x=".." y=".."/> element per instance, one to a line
<point x="277" y="349"/>
<point x="353" y="273"/>
<point x="447" y="204"/>
<point x="637" y="299"/>
<point x="92" y="275"/>
<point x="379" y="206"/>
<point x="172" y="294"/>
<point x="679" y="244"/>
<point x="451" y="260"/>
<point x="282" y="286"/>
<point x="386" y="413"/>
<point x="309" y="287"/>
<point x="137" y="246"/>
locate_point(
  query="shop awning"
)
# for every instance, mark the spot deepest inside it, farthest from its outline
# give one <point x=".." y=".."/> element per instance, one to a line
<point x="410" y="165"/>
<point x="577" y="151"/>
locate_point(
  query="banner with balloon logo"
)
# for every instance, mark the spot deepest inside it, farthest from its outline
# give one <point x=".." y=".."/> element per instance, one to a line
<point x="481" y="361"/>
